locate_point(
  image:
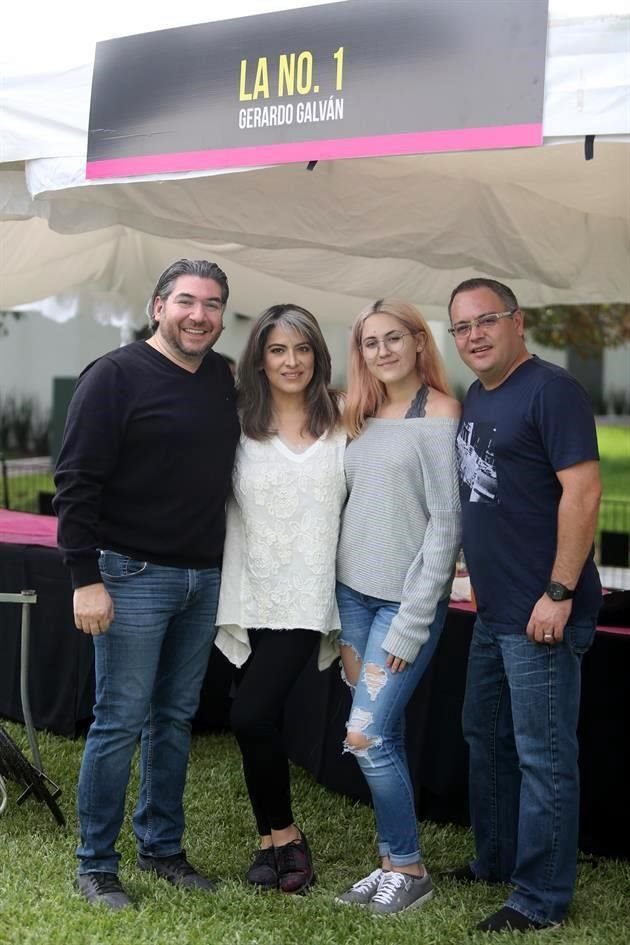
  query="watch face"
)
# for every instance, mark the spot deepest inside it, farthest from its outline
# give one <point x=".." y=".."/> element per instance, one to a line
<point x="557" y="591"/>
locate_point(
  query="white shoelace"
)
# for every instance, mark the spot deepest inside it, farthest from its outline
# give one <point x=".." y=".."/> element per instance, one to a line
<point x="388" y="886"/>
<point x="365" y="884"/>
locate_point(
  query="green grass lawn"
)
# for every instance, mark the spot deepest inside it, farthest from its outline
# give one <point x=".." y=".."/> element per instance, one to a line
<point x="38" y="905"/>
<point x="614" y="448"/>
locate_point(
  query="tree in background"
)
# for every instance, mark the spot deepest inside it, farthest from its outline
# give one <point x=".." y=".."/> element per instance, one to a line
<point x="588" y="329"/>
<point x="584" y="332"/>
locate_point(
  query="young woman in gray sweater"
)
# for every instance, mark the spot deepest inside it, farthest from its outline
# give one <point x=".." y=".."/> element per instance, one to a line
<point x="399" y="538"/>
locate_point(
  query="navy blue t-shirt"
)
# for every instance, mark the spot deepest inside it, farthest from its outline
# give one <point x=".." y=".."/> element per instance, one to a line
<point x="511" y="442"/>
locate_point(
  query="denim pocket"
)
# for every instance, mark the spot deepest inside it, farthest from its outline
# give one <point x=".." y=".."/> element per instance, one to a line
<point x="579" y="639"/>
<point x="115" y="566"/>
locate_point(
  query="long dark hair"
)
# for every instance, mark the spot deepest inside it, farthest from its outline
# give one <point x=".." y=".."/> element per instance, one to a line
<point x="322" y="408"/>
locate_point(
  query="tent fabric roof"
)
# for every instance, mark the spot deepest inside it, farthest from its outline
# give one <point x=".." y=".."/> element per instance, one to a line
<point x="555" y="226"/>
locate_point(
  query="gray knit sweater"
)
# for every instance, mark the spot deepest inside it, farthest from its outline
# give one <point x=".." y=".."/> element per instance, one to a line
<point x="401" y="527"/>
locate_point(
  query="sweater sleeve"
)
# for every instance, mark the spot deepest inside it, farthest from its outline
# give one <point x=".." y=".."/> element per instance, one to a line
<point x="430" y="573"/>
<point x="89" y="453"/>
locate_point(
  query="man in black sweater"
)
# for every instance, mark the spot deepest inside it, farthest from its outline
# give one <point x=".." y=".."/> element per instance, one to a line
<point x="142" y="478"/>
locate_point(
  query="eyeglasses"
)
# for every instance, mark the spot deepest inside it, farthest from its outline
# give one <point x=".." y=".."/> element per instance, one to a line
<point x="489" y="320"/>
<point x="393" y="341"/>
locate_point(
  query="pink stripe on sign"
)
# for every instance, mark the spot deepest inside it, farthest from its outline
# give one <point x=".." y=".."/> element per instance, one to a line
<point x="425" y="142"/>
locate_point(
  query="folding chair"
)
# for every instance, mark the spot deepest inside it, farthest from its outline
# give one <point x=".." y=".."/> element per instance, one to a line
<point x="13" y="764"/>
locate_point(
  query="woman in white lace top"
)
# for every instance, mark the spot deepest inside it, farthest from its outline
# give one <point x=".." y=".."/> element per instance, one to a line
<point x="277" y="604"/>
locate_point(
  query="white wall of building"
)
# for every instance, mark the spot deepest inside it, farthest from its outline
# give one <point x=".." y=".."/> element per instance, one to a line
<point x="36" y="350"/>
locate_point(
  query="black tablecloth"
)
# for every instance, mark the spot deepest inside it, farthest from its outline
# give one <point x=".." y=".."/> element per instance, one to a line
<point x="62" y="686"/>
<point x="61" y="659"/>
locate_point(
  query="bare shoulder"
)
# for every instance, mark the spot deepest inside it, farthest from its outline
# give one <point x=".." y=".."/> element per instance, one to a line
<point x="441" y="405"/>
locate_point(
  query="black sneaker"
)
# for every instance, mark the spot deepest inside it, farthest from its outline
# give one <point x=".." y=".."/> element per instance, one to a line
<point x="510" y="920"/>
<point x="295" y="866"/>
<point x="263" y="872"/>
<point x="175" y="870"/>
<point x="103" y="888"/>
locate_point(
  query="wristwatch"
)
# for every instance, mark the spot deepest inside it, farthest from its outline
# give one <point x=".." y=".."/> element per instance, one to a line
<point x="557" y="591"/>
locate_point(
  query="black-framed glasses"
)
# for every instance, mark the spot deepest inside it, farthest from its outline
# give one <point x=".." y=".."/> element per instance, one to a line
<point x="393" y="341"/>
<point x="489" y="320"/>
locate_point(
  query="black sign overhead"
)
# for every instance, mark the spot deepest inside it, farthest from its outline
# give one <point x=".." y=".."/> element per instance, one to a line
<point x="351" y="79"/>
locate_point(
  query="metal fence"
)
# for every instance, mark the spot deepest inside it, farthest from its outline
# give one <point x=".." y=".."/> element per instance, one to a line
<point x="26" y="485"/>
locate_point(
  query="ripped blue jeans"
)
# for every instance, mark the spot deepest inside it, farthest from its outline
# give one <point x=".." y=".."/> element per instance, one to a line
<point x="378" y="712"/>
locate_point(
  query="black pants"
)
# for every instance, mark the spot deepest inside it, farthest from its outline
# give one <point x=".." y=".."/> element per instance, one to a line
<point x="278" y="657"/>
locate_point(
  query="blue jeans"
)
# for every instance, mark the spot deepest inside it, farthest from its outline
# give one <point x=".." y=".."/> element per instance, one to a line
<point x="378" y="712"/>
<point x="520" y="721"/>
<point x="150" y="666"/>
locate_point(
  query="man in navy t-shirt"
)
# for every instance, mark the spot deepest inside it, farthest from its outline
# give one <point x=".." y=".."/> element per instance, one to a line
<point x="530" y="491"/>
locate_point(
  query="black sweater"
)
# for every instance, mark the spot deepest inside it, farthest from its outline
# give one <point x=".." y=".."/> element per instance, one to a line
<point x="146" y="461"/>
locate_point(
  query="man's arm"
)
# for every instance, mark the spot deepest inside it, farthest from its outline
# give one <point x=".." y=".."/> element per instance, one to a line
<point x="88" y="453"/>
<point x="577" y="521"/>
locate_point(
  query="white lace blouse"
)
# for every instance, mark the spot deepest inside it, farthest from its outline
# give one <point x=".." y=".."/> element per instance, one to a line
<point x="281" y="542"/>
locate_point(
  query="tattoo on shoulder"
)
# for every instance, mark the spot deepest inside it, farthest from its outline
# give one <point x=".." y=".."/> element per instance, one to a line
<point x="419" y="403"/>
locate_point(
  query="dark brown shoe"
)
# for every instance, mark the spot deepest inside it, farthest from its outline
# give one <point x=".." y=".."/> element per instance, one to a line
<point x="295" y="866"/>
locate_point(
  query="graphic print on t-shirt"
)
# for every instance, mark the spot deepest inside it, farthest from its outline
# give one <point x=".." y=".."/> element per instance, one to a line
<point x="475" y="461"/>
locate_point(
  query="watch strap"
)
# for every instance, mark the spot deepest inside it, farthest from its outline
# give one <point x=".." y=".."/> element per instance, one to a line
<point x="557" y="591"/>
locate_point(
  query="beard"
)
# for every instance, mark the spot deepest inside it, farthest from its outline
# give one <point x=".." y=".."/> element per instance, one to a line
<point x="189" y="348"/>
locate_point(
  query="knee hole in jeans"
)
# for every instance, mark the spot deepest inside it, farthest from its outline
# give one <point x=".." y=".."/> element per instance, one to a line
<point x="356" y="741"/>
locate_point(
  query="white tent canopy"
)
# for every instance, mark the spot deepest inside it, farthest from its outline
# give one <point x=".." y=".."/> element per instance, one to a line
<point x="553" y="225"/>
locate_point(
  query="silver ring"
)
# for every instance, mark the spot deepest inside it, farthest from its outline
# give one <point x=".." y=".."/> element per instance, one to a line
<point x="548" y="636"/>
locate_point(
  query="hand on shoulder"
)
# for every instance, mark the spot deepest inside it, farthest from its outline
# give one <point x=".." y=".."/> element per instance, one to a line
<point x="441" y="405"/>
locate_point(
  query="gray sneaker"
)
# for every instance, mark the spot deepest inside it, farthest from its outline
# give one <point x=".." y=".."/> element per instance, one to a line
<point x="362" y="891"/>
<point x="103" y="888"/>
<point x="399" y="891"/>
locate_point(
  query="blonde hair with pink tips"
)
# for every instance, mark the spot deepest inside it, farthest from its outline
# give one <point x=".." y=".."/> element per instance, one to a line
<point x="366" y="393"/>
